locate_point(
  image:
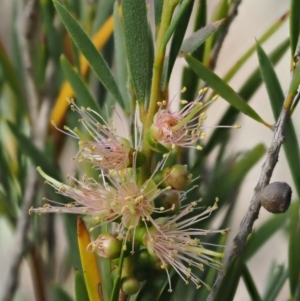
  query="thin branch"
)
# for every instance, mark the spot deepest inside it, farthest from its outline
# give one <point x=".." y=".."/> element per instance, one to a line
<point x="253" y="210"/>
<point x="39" y="116"/>
<point x="20" y="240"/>
<point x="233" y="12"/>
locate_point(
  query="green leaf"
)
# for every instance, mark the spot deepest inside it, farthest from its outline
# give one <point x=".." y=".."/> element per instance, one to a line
<point x="189" y="79"/>
<point x="81" y="91"/>
<point x="61" y="295"/>
<point x="230" y="174"/>
<point x="247" y="91"/>
<point x="158" y="5"/>
<point x="266" y="35"/>
<point x="276" y="280"/>
<point x="294" y="25"/>
<point x="154" y="287"/>
<point x="175" y="21"/>
<point x="190" y="44"/>
<point x="295" y="81"/>
<point x="228" y="286"/>
<point x="80" y="288"/>
<point x="294" y="248"/>
<point x="276" y="95"/>
<point x="11" y="76"/>
<point x="87" y="48"/>
<point x="121" y="63"/>
<point x="250" y="285"/>
<point x="103" y="11"/>
<point x="51" y="34"/>
<point x="258" y="238"/>
<point x="137" y="44"/>
<point x="220" y="13"/>
<point x="176" y="42"/>
<point x="200" y="21"/>
<point x="270" y="79"/>
<point x="222" y="89"/>
<point x="37" y="157"/>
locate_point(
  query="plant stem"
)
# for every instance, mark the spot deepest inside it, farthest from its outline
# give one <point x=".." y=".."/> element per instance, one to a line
<point x="155" y="96"/>
<point x="254" y="207"/>
<point x="117" y="283"/>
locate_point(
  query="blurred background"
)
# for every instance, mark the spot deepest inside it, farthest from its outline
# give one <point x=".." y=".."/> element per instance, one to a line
<point x="254" y="18"/>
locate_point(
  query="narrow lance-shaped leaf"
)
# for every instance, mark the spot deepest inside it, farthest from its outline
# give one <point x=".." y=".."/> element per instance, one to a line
<point x="264" y="37"/>
<point x="37" y="156"/>
<point x="271" y="81"/>
<point x="247" y="90"/>
<point x="60" y="294"/>
<point x="258" y="238"/>
<point x="153" y="289"/>
<point x="81" y="91"/>
<point x="276" y="279"/>
<point x="177" y="41"/>
<point x="137" y="44"/>
<point x="294" y="248"/>
<point x="120" y="49"/>
<point x="190" y="44"/>
<point x="11" y="76"/>
<point x="250" y="284"/>
<point x="222" y="89"/>
<point x="226" y="291"/>
<point x="89" y="263"/>
<point x="295" y="81"/>
<point x="80" y="288"/>
<point x="229" y="177"/>
<point x="90" y="52"/>
<point x="294" y="24"/>
<point x="276" y="95"/>
<point x="99" y="40"/>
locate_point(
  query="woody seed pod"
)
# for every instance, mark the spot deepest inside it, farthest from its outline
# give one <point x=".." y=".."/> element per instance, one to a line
<point x="276" y="197"/>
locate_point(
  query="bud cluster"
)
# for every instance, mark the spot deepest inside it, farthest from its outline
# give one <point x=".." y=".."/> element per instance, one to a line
<point x="147" y="217"/>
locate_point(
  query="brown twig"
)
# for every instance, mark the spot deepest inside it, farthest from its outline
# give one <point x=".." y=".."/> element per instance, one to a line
<point x="39" y="116"/>
<point x="253" y="210"/>
<point x="20" y="240"/>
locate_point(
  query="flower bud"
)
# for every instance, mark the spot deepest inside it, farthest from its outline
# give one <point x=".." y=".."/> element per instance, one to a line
<point x="130" y="285"/>
<point x="154" y="144"/>
<point x="144" y="259"/>
<point x="276" y="197"/>
<point x="177" y="176"/>
<point x="170" y="201"/>
<point x="106" y="246"/>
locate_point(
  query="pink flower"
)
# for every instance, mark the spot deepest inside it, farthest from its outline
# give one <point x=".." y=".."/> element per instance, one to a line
<point x="89" y="198"/>
<point x="100" y="145"/>
<point x="180" y="128"/>
<point x="172" y="244"/>
<point x="117" y="198"/>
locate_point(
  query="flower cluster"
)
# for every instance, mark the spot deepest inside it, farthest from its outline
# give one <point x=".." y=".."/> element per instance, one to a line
<point x="146" y="214"/>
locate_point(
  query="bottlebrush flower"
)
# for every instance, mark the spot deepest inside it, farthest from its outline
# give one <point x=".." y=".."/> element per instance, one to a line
<point x="172" y="244"/>
<point x="119" y="198"/>
<point x="100" y="146"/>
<point x="89" y="198"/>
<point x="180" y="128"/>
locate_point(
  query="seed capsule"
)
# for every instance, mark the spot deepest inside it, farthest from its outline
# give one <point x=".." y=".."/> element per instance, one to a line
<point x="276" y="197"/>
<point x="130" y="285"/>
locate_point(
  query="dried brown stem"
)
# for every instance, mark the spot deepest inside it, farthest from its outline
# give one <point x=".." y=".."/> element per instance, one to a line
<point x="253" y="210"/>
